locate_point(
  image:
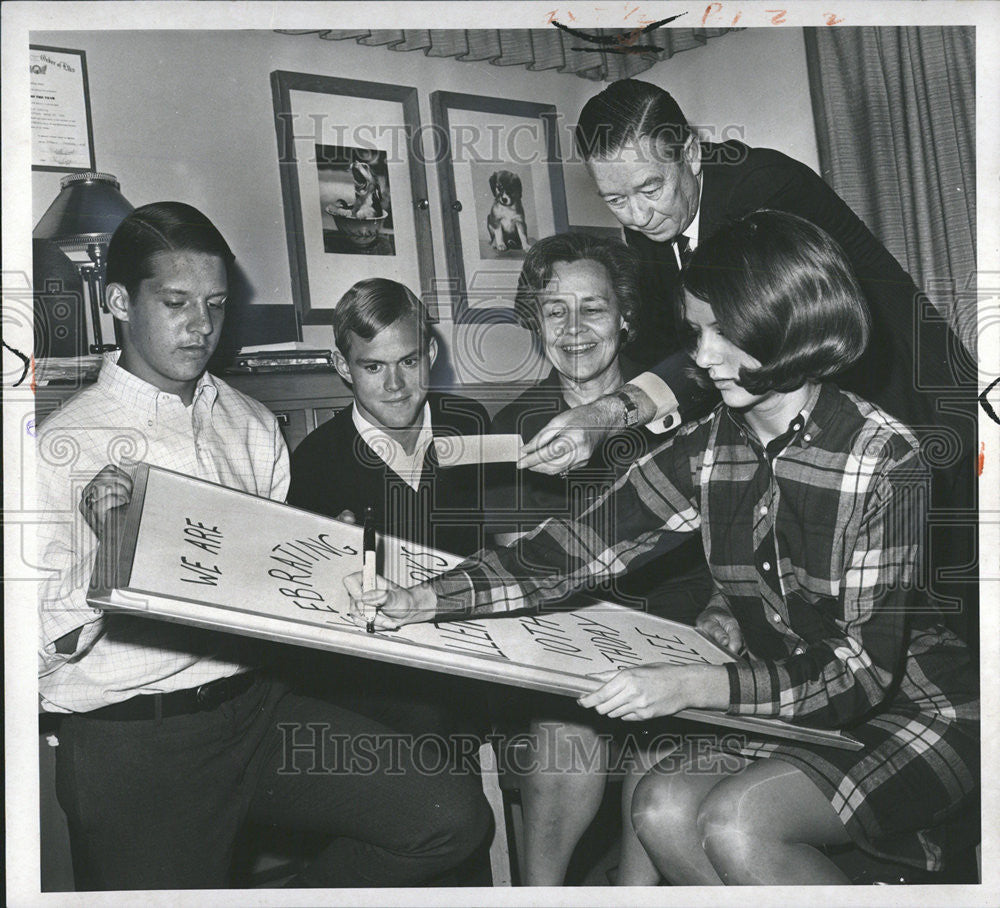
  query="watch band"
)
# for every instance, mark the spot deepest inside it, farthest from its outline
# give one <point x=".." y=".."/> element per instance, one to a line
<point x="631" y="408"/>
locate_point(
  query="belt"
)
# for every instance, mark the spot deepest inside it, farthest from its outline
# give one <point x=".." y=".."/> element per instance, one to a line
<point x="178" y="702"/>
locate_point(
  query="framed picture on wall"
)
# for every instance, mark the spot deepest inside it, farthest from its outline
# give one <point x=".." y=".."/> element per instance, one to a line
<point x="62" y="133"/>
<point x="501" y="179"/>
<point x="353" y="185"/>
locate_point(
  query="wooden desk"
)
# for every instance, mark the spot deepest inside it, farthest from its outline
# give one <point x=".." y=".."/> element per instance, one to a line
<point x="300" y="400"/>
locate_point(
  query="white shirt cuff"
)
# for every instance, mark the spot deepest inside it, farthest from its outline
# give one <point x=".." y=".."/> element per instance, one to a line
<point x="667" y="415"/>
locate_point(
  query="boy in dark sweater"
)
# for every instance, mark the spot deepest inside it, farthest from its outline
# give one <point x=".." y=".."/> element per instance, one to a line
<point x="380" y="452"/>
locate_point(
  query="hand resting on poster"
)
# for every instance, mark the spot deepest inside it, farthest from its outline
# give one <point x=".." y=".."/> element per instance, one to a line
<point x="110" y="489"/>
<point x="389" y="607"/>
<point x="632" y="694"/>
<point x="658" y="689"/>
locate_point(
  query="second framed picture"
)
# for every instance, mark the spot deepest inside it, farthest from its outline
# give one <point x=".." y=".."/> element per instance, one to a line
<point x="502" y="189"/>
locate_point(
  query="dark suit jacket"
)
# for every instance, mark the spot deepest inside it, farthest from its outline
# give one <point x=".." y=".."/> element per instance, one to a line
<point x="739" y="179"/>
<point x="334" y="469"/>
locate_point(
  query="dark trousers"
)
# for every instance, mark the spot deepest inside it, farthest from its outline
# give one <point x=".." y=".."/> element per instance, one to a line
<point x="159" y="804"/>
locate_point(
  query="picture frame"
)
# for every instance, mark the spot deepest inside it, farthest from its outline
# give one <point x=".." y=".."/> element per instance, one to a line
<point x="495" y="136"/>
<point x="353" y="185"/>
<point x="62" y="129"/>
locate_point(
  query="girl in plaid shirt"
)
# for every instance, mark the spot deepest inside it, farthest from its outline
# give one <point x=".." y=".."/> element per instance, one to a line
<point x="811" y="506"/>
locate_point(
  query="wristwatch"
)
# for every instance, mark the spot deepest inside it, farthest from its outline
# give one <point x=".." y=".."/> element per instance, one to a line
<point x="631" y="408"/>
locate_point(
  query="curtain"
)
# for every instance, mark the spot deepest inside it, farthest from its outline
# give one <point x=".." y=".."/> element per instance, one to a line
<point x="536" y="48"/>
<point x="895" y="124"/>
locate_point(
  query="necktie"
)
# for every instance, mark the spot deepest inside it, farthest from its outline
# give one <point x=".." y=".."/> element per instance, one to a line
<point x="681" y="243"/>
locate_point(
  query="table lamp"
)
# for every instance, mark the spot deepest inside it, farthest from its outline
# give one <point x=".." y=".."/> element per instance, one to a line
<point x="82" y="218"/>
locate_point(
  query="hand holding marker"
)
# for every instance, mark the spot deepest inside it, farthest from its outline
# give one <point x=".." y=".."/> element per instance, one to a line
<point x="368" y="575"/>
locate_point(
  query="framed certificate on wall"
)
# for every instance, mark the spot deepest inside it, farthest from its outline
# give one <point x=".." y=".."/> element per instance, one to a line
<point x="62" y="136"/>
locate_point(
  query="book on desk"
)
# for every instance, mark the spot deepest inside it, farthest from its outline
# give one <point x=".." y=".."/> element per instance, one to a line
<point x="293" y="357"/>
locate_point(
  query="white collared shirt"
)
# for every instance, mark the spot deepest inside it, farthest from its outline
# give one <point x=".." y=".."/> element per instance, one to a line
<point x="659" y="392"/>
<point x="691" y="231"/>
<point x="224" y="437"/>
<point x="408" y="467"/>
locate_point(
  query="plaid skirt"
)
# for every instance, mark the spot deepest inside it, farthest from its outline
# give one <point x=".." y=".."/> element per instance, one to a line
<point x="907" y="793"/>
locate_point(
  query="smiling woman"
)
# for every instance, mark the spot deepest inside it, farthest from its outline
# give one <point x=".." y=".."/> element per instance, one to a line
<point x="582" y="327"/>
<point x="578" y="294"/>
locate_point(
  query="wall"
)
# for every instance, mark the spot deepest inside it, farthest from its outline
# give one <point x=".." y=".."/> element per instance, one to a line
<point x="188" y="116"/>
<point x="753" y="81"/>
<point x="750" y="85"/>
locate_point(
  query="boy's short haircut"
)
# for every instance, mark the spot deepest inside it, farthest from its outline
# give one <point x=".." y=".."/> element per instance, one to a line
<point x="157" y="228"/>
<point x="629" y="110"/>
<point x="618" y="260"/>
<point x="782" y="290"/>
<point x="372" y="305"/>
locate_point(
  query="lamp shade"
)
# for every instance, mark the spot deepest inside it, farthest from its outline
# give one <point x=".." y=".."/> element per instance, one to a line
<point x="87" y="210"/>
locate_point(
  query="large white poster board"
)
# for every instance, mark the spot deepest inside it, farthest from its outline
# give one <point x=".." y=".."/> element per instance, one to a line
<point x="206" y="555"/>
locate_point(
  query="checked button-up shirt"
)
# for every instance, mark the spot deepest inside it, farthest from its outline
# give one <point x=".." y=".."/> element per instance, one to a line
<point x="814" y="541"/>
<point x="224" y="437"/>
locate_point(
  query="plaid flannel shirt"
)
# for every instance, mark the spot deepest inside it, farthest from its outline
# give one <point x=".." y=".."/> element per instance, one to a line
<point x="813" y="541"/>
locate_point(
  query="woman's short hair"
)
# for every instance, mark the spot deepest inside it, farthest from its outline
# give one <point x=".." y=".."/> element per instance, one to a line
<point x="782" y="290"/>
<point x="154" y="229"/>
<point x="618" y="260"/>
<point x="626" y="111"/>
<point x="372" y="305"/>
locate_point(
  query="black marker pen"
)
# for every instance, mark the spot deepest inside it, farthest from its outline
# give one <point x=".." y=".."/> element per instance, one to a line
<point x="368" y="573"/>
